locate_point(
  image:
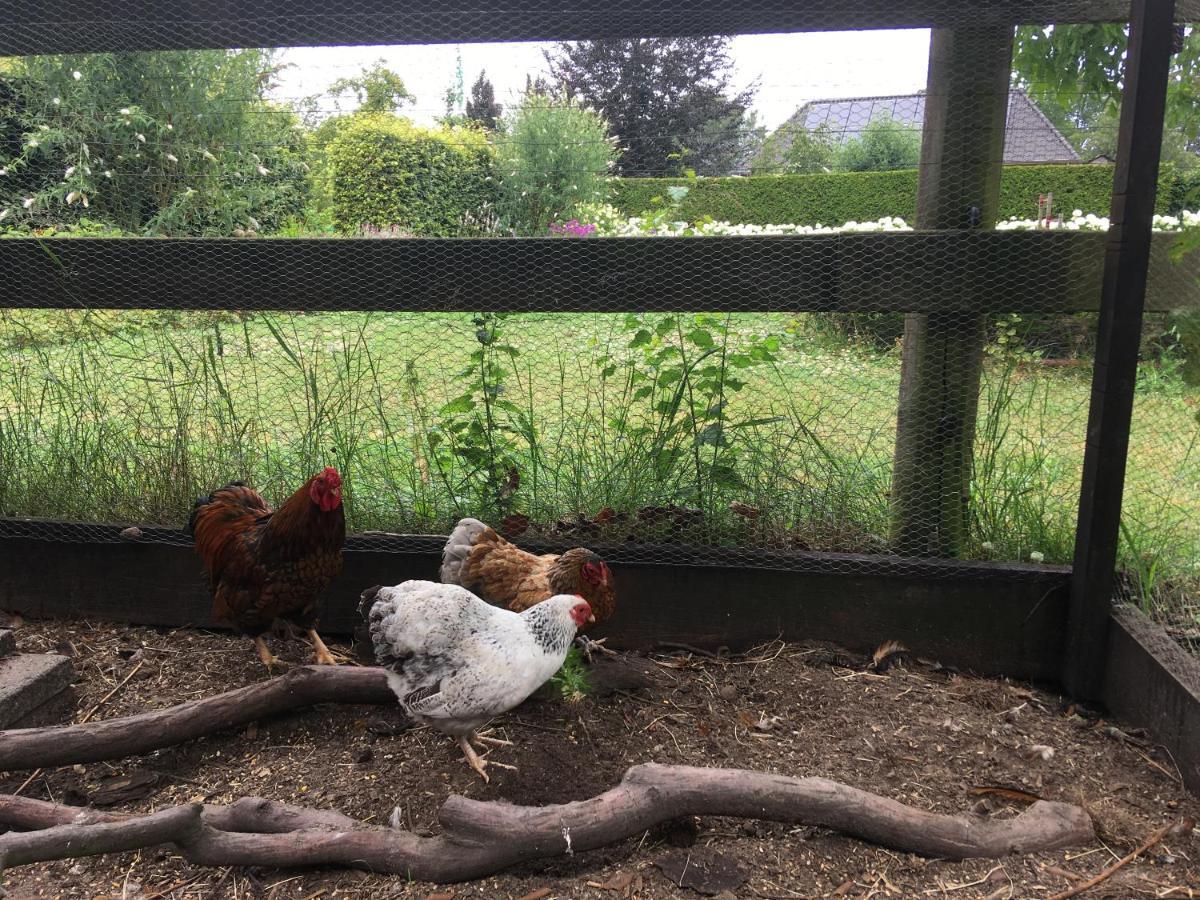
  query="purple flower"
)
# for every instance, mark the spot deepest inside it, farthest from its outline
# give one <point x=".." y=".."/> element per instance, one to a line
<point x="572" y="228"/>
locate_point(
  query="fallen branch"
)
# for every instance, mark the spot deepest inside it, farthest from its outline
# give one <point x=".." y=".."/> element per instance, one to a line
<point x="481" y="838"/>
<point x="59" y="745"/>
<point x="173" y="825"/>
<point x="1181" y="827"/>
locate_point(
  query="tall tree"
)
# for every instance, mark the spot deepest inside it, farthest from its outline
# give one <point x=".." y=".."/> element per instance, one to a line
<point x="1076" y="75"/>
<point x="670" y="101"/>
<point x="376" y="89"/>
<point x="482" y="107"/>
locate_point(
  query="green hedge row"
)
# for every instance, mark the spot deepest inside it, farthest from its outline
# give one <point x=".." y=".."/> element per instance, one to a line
<point x="837" y="197"/>
<point x="387" y="171"/>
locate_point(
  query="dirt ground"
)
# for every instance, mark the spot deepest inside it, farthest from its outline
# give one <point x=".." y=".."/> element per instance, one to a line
<point x="919" y="733"/>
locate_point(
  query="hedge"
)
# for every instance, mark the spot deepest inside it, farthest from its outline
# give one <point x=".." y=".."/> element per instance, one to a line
<point x="387" y="171"/>
<point x="837" y="197"/>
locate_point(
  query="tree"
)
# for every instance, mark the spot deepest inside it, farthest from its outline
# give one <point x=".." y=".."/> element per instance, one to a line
<point x="1075" y="73"/>
<point x="482" y="107"/>
<point x="376" y="89"/>
<point x="172" y="142"/>
<point x="884" y="144"/>
<point x="552" y="156"/>
<point x="669" y="100"/>
<point x="794" y="149"/>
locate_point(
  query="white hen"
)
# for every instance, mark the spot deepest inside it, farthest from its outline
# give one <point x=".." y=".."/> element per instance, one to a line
<point x="455" y="661"/>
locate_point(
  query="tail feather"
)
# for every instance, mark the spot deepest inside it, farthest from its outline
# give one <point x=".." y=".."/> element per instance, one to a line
<point x="458" y="547"/>
<point x="367" y="600"/>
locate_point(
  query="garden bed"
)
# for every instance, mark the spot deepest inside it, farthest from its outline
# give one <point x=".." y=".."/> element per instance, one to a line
<point x="920" y="733"/>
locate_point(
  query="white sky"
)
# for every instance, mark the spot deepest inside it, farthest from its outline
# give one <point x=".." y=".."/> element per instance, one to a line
<point x="791" y="68"/>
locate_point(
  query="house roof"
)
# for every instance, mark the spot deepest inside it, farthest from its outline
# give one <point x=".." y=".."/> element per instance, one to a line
<point x="1029" y="137"/>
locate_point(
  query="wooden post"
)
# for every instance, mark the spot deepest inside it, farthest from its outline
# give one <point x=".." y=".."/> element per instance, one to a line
<point x="962" y="152"/>
<point x="1126" y="262"/>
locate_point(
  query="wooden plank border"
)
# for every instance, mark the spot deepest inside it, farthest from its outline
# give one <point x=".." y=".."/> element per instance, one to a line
<point x="1153" y="682"/>
<point x="924" y="272"/>
<point x="991" y="618"/>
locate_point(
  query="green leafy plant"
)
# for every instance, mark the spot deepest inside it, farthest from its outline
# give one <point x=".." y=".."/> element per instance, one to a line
<point x="571" y="681"/>
<point x="203" y="152"/>
<point x="551" y="156"/>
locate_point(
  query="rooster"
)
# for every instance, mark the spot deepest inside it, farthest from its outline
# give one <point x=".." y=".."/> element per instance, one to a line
<point x="266" y="565"/>
<point x="454" y="661"/>
<point x="482" y="561"/>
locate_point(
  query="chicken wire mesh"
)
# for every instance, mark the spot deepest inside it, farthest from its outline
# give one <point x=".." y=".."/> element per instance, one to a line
<point x="443" y="313"/>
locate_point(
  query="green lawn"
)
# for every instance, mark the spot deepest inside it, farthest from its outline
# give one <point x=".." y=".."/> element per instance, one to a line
<point x="127" y="416"/>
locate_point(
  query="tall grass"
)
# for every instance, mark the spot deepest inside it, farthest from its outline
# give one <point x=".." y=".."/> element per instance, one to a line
<point x="748" y="430"/>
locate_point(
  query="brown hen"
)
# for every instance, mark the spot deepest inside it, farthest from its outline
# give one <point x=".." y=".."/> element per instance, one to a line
<point x="265" y="565"/>
<point x="499" y="572"/>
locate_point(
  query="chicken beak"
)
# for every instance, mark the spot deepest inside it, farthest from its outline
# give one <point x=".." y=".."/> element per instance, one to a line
<point x="591" y="617"/>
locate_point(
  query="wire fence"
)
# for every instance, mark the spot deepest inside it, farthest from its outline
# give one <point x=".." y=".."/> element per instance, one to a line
<point x="865" y="399"/>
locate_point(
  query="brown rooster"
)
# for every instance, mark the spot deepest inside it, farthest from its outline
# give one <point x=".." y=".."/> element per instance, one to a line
<point x="482" y="561"/>
<point x="266" y="565"/>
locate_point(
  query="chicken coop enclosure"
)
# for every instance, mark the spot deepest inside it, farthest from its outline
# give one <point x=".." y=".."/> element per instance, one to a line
<point x="907" y="430"/>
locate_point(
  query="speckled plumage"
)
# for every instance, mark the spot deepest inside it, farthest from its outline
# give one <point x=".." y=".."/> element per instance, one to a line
<point x="453" y="661"/>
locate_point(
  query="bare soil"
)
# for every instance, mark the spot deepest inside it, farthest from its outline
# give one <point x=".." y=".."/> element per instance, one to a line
<point x="919" y="733"/>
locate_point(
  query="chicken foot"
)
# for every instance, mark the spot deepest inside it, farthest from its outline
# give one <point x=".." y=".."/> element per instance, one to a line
<point x="269" y="659"/>
<point x="587" y="647"/>
<point x="477" y="762"/>
<point x="323" y="656"/>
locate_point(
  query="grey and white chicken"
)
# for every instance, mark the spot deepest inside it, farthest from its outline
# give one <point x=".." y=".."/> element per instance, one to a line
<point x="455" y="662"/>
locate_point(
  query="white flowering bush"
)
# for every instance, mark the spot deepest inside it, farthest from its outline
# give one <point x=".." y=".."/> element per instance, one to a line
<point x="636" y="226"/>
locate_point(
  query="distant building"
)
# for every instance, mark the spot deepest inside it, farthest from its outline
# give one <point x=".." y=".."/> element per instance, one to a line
<point x="1029" y="137"/>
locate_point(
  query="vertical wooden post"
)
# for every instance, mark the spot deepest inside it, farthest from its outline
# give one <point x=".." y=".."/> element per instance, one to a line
<point x="1127" y="258"/>
<point x="962" y="154"/>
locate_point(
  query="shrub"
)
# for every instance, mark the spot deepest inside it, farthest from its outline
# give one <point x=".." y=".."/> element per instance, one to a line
<point x="552" y="156"/>
<point x="387" y="171"/>
<point x="836" y="197"/>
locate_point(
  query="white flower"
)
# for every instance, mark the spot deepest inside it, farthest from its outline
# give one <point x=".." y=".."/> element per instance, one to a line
<point x="141" y="138"/>
<point x="76" y="74"/>
<point x="70" y="171"/>
<point x="209" y="156"/>
<point x="3" y="171"/>
<point x="57" y="101"/>
<point x="28" y="202"/>
<point x="189" y="192"/>
<point x="263" y="170"/>
<point x="1037" y="556"/>
<point x="171" y="157"/>
<point x="108" y="173"/>
<point x="44" y="127"/>
<point x="988" y="546"/>
<point x="3" y="214"/>
<point x="170" y="127"/>
<point x="125" y="111"/>
<point x="33" y="144"/>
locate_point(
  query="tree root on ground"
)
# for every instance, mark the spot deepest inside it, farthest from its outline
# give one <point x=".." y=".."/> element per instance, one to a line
<point x="481" y="838"/>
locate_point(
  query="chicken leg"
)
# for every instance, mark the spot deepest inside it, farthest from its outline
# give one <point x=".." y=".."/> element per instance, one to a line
<point x="269" y="659"/>
<point x="477" y="762"/>
<point x="324" y="657"/>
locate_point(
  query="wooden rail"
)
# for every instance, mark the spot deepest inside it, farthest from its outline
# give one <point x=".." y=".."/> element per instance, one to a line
<point x="923" y="272"/>
<point x="88" y="26"/>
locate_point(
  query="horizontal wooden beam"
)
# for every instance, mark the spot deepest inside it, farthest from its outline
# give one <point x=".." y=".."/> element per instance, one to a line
<point x="992" y="618"/>
<point x="79" y="26"/>
<point x="919" y="272"/>
<point x="1152" y="682"/>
